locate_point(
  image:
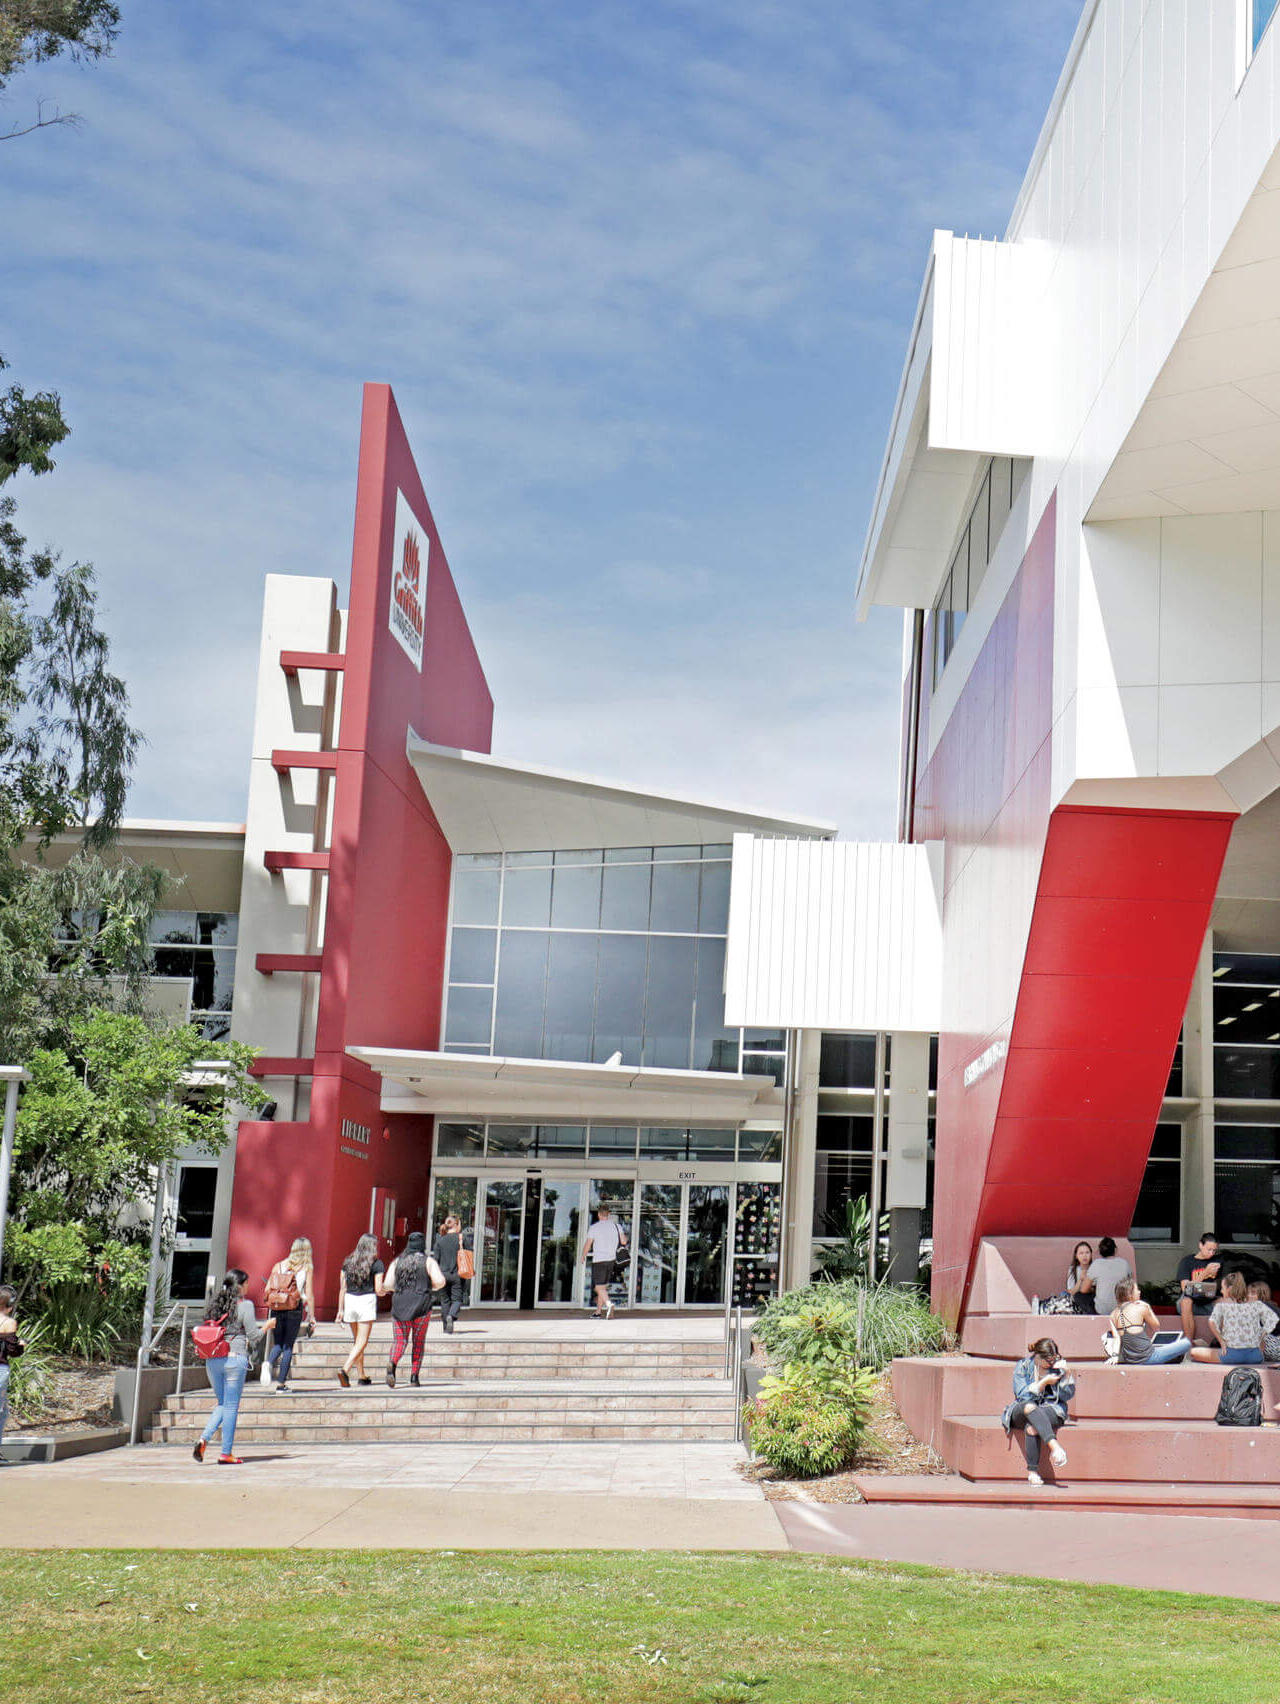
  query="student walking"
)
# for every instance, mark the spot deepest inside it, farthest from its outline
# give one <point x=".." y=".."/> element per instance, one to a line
<point x="358" y="1304"/>
<point x="453" y="1249"/>
<point x="600" y="1250"/>
<point x="1042" y="1388"/>
<point x="232" y="1310"/>
<point x="11" y="1346"/>
<point x="408" y="1283"/>
<point x="290" y="1289"/>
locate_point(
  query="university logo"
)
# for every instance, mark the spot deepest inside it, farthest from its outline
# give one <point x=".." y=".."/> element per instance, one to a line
<point x="408" y="612"/>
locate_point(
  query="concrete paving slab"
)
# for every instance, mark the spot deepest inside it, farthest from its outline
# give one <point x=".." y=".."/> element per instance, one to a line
<point x="1184" y="1553"/>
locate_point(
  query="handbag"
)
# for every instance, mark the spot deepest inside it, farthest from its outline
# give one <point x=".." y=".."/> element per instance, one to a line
<point x="466" y="1262"/>
<point x="1059" y="1304"/>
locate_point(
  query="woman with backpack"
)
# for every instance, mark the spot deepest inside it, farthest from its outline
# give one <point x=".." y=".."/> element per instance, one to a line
<point x="290" y="1290"/>
<point x="408" y="1283"/>
<point x="226" y="1360"/>
<point x="358" y="1304"/>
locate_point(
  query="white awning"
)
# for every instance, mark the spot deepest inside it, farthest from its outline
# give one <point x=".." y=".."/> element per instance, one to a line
<point x="478" y="1086"/>
<point x="484" y="804"/>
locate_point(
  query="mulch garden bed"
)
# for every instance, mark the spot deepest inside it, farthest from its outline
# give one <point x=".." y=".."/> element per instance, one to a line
<point x="80" y="1396"/>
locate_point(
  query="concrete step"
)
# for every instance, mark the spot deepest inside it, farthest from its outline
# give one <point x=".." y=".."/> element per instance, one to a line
<point x="1238" y="1502"/>
<point x="928" y="1387"/>
<point x="1193" y="1452"/>
<point x="479" y="1411"/>
<point x="468" y="1356"/>
<point x="1006" y="1336"/>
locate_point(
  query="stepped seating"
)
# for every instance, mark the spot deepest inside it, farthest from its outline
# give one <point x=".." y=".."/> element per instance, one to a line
<point x="1139" y="1437"/>
<point x="479" y="1389"/>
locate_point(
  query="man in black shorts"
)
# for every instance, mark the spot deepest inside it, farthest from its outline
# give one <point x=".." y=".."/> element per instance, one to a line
<point x="604" y="1239"/>
<point x="1198" y="1276"/>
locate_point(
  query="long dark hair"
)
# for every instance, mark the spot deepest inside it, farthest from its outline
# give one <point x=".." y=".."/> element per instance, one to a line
<point x="229" y="1297"/>
<point x="358" y="1266"/>
<point x="412" y="1262"/>
<point x="1075" y="1258"/>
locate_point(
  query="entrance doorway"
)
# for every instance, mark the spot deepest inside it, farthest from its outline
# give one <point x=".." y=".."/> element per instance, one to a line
<point x="684" y="1236"/>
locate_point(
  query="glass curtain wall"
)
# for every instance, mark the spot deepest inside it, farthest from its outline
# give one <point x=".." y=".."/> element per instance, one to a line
<point x="581" y="955"/>
<point x="196" y="944"/>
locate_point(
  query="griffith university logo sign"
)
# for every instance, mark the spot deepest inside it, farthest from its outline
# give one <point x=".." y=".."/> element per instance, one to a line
<point x="407" y="618"/>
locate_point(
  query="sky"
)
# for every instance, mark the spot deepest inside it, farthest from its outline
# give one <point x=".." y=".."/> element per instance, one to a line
<point x="641" y="277"/>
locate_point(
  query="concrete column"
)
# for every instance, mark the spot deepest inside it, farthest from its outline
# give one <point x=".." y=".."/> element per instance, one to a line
<point x="801" y="1148"/>
<point x="1197" y="1084"/>
<point x="908" y="1150"/>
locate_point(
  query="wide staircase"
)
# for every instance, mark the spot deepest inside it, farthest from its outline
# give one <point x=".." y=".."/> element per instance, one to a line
<point x="487" y="1386"/>
<point x="1139" y="1437"/>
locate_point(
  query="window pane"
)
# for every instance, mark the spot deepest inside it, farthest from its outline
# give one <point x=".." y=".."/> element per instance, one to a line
<point x="706" y="1243"/>
<point x="1263" y="12"/>
<point x="1246" y="1142"/>
<point x="759" y="1147"/>
<point x="1157" y="1215"/>
<point x="675" y="897"/>
<point x="472" y="955"/>
<point x="571" y="987"/>
<point x="713" y="910"/>
<point x="1247" y="1073"/>
<point x="575" y="897"/>
<point x="470" y="1016"/>
<point x="522" y="980"/>
<point x="174" y="926"/>
<point x="847" y="1062"/>
<point x="664" y="854"/>
<point x="477" y="860"/>
<point x="197" y="1190"/>
<point x="709" y="1024"/>
<point x="620" y="998"/>
<point x="526" y="898"/>
<point x="1166" y="1144"/>
<point x="668" y="1018"/>
<point x="765" y="1065"/>
<point x="1246" y="1202"/>
<point x="659" y="1142"/>
<point x="718" y="1145"/>
<point x="628" y="854"/>
<point x="174" y="961"/>
<point x="214" y="978"/>
<point x="217" y="928"/>
<point x="565" y="1139"/>
<point x="592" y="856"/>
<point x="475" y="896"/>
<point x="999" y="482"/>
<point x="618" y="1140"/>
<point x="626" y="897"/>
<point x="837" y="1134"/>
<point x="515" y="860"/>
<point x="458" y="1140"/>
<point x="979" y="539"/>
<point x="837" y="1180"/>
<point x="515" y="1139"/>
<point x="1261" y="969"/>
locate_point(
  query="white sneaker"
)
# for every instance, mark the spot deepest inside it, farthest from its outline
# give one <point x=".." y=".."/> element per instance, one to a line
<point x="1057" y="1455"/>
<point x="1034" y="1479"/>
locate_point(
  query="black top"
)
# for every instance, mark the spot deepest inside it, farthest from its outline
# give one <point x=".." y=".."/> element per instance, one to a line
<point x="411" y="1297"/>
<point x="445" y="1250"/>
<point x="367" y="1288"/>
<point x="1191" y="1269"/>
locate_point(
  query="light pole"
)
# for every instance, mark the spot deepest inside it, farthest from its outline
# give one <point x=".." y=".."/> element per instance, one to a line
<point x="12" y="1076"/>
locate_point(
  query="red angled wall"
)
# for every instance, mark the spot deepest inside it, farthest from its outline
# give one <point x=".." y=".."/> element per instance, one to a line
<point x="382" y="974"/>
<point x="1070" y="937"/>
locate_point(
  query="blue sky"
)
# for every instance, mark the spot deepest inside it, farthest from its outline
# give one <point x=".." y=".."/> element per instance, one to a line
<point x="641" y="276"/>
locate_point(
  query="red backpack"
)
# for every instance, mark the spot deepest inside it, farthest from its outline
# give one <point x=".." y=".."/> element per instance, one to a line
<point x="209" y="1339"/>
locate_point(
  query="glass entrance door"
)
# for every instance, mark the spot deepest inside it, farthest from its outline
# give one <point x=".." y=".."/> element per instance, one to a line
<point x="501" y="1217"/>
<point x="706" y="1243"/>
<point x="657" y="1245"/>
<point x="560" y="1235"/>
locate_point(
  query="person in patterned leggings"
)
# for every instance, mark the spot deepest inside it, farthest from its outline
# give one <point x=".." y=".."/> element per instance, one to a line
<point x="409" y="1286"/>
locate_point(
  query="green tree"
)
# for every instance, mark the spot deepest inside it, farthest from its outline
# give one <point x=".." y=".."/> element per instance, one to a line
<point x="95" y="1123"/>
<point x="32" y="31"/>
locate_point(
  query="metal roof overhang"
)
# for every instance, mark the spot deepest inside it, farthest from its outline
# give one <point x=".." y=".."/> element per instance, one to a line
<point x="485" y="804"/>
<point x="478" y="1086"/>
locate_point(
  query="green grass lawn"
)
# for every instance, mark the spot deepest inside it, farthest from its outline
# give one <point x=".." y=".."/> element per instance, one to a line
<point x="442" y="1628"/>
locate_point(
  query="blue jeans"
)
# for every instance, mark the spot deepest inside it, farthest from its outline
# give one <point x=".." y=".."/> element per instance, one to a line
<point x="4" y="1396"/>
<point x="1241" y="1357"/>
<point x="227" y="1377"/>
<point x="1163" y="1353"/>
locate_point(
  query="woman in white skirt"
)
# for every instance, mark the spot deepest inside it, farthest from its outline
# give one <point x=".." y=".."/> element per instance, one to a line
<point x="358" y="1304"/>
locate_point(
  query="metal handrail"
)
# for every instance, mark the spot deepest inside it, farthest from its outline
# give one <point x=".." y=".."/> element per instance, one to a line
<point x="144" y="1360"/>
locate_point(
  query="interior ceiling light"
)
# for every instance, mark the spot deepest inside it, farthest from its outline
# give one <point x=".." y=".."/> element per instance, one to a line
<point x="1222" y="970"/>
<point x="1275" y="1037"/>
<point x="1254" y="1006"/>
<point x="1226" y="1020"/>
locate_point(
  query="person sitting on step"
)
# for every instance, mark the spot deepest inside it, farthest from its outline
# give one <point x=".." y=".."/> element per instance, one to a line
<point x="1135" y="1325"/>
<point x="1042" y="1388"/>
<point x="1239" y="1326"/>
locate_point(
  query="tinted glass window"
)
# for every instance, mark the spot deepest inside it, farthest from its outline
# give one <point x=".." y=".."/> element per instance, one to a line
<point x="470" y="1015"/>
<point x="526" y="897"/>
<point x="615" y="1139"/>
<point x="518" y="1139"/>
<point x="847" y="1062"/>
<point x="460" y="1140"/>
<point x="675" y="898"/>
<point x="713" y="910"/>
<point x="759" y="1146"/>
<point x="620" y="997"/>
<point x="475" y="896"/>
<point x="575" y="897"/>
<point x="473" y="954"/>
<point x="668" y="1018"/>
<point x="626" y="897"/>
<point x="217" y="928"/>
<point x="571" y="988"/>
<point x="709" y="1026"/>
<point x="522" y="978"/>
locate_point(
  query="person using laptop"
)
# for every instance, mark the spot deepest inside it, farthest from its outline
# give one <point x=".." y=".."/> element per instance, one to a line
<point x="1142" y="1343"/>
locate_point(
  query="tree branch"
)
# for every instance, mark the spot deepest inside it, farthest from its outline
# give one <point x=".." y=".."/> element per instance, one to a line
<point x="42" y="123"/>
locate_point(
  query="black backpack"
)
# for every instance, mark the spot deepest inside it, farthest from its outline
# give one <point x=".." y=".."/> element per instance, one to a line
<point x="1241" y="1401"/>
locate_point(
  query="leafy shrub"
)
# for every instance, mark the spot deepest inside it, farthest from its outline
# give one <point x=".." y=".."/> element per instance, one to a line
<point x="851" y="1256"/>
<point x="810" y="1420"/>
<point x="850" y="1324"/>
<point x="31" y="1375"/>
<point x="85" y="1319"/>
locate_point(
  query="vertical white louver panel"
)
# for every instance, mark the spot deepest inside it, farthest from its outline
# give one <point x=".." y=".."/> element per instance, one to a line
<point x="832" y="935"/>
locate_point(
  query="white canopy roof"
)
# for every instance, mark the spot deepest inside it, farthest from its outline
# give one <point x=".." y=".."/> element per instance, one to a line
<point x="479" y="1086"/>
<point x="485" y="804"/>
